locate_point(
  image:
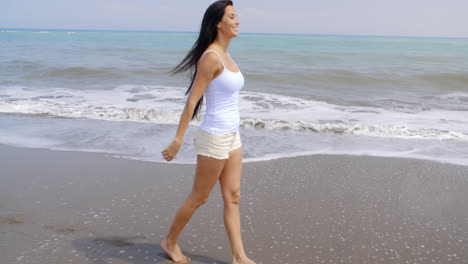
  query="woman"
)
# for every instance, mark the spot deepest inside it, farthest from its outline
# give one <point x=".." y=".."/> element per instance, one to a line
<point x="218" y="144"/>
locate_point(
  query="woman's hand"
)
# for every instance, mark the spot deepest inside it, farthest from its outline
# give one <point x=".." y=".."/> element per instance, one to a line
<point x="171" y="151"/>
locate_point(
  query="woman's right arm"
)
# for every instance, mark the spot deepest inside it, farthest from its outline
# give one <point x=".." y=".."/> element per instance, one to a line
<point x="208" y="66"/>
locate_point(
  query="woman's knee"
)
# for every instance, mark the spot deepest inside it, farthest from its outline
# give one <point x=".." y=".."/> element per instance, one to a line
<point x="231" y="197"/>
<point x="198" y="199"/>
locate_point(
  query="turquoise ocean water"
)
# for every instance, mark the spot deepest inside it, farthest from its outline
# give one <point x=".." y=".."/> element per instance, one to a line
<point x="110" y="91"/>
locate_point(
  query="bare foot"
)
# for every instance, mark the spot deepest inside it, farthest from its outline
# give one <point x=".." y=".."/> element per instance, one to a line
<point x="174" y="252"/>
<point x="243" y="260"/>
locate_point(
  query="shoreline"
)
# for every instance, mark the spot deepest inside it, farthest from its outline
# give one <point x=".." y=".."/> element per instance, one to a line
<point x="65" y="206"/>
<point x="245" y="161"/>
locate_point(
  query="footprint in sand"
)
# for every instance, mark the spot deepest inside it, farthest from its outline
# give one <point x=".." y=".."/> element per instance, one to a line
<point x="11" y="220"/>
<point x="63" y="229"/>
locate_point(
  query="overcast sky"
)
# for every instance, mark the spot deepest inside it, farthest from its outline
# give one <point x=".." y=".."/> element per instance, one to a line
<point x="436" y="18"/>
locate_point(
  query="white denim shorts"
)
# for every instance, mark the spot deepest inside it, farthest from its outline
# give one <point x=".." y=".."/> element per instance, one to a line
<point x="216" y="146"/>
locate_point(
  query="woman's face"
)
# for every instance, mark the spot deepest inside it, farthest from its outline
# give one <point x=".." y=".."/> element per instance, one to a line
<point x="229" y="24"/>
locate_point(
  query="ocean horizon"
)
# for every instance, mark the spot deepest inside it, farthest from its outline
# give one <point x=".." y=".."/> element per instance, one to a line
<point x="242" y="33"/>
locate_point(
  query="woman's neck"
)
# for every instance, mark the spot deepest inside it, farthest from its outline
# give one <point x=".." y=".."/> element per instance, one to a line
<point x="223" y="42"/>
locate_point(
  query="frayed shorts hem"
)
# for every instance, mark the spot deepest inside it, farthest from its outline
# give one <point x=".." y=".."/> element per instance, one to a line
<point x="216" y="146"/>
<point x="215" y="156"/>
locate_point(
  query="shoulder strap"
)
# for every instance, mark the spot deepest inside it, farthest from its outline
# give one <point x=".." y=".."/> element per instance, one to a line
<point x="216" y="55"/>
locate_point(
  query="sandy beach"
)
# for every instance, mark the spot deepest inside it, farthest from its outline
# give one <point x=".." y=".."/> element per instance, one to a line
<point x="75" y="207"/>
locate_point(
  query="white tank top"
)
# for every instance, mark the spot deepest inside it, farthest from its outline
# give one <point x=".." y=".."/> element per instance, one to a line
<point x="222" y="102"/>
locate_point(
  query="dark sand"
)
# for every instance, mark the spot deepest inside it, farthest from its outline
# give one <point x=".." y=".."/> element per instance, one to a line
<point x="70" y="207"/>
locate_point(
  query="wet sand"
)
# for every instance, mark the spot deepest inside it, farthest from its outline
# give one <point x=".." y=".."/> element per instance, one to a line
<point x="71" y="207"/>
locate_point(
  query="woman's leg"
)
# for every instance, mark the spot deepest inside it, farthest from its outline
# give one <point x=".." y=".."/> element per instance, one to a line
<point x="230" y="189"/>
<point x="206" y="175"/>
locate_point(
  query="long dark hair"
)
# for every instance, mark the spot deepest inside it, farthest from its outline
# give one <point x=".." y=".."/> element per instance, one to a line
<point x="208" y="33"/>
